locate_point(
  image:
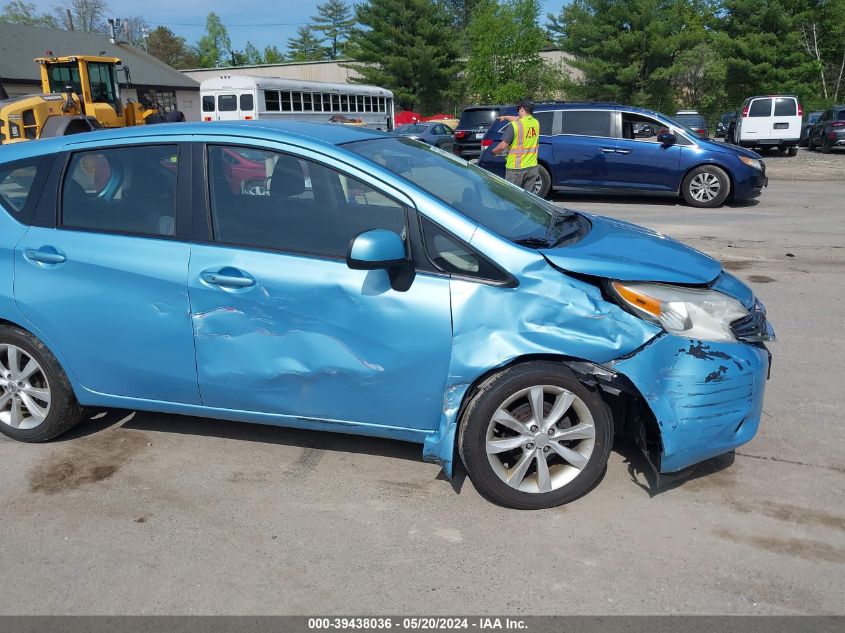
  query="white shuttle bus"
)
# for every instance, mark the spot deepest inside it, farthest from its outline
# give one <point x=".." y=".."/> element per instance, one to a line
<point x="240" y="97"/>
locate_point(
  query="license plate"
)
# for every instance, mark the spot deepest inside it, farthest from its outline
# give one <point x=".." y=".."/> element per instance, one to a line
<point x="479" y="136"/>
<point x="781" y="126"/>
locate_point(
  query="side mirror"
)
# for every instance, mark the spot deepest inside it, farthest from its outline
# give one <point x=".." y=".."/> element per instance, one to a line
<point x="666" y="138"/>
<point x="376" y="249"/>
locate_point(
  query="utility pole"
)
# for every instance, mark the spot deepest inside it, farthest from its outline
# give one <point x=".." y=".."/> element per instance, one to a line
<point x="69" y="20"/>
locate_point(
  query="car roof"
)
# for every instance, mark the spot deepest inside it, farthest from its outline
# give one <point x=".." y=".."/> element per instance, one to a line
<point x="687" y="112"/>
<point x="320" y="133"/>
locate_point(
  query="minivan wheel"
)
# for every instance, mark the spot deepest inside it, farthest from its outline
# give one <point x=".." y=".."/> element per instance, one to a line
<point x="544" y="182"/>
<point x="533" y="436"/>
<point x="793" y="151"/>
<point x="36" y="400"/>
<point x="706" y="187"/>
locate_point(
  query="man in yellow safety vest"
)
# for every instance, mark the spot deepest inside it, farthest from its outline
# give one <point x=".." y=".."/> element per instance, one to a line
<point x="521" y="141"/>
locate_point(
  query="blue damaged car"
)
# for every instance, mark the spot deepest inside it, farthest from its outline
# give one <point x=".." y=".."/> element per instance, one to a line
<point x="337" y="279"/>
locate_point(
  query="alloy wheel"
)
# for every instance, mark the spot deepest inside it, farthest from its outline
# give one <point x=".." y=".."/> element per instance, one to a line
<point x="705" y="186"/>
<point x="540" y="439"/>
<point x="24" y="391"/>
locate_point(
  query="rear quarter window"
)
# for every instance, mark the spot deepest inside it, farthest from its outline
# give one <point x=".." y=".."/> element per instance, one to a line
<point x="786" y="107"/>
<point x="20" y="186"/>
<point x="587" y="122"/>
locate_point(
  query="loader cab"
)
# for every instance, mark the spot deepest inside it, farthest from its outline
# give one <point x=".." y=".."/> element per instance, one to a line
<point x="93" y="79"/>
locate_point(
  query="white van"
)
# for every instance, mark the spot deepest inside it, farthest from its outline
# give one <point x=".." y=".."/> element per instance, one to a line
<point x="773" y="121"/>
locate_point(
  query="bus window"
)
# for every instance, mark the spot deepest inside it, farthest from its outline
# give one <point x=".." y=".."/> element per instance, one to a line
<point x="318" y="102"/>
<point x="271" y="100"/>
<point x="344" y="103"/>
<point x="208" y="103"/>
<point x="306" y="102"/>
<point x="335" y="103"/>
<point x="368" y="107"/>
<point x="381" y="104"/>
<point x="296" y="98"/>
<point x="227" y="103"/>
<point x="327" y="103"/>
<point x="286" y="106"/>
<point x="359" y="103"/>
<point x="247" y="103"/>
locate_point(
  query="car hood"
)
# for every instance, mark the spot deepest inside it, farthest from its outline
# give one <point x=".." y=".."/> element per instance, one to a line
<point x="727" y="148"/>
<point x="618" y="250"/>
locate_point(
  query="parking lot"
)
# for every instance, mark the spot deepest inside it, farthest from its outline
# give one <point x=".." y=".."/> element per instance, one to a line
<point x="138" y="513"/>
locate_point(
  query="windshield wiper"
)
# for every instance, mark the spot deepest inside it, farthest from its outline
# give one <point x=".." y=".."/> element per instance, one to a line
<point x="533" y="242"/>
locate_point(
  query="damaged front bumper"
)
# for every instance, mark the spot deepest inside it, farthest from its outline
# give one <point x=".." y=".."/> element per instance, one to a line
<point x="706" y="397"/>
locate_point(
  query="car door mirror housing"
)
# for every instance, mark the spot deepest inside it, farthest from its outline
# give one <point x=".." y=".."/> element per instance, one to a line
<point x="376" y="249"/>
<point x="666" y="138"/>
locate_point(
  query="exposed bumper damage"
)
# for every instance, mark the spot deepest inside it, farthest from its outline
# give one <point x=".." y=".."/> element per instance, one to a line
<point x="707" y="398"/>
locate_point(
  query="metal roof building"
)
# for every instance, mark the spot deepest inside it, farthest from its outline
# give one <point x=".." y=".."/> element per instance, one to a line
<point x="151" y="78"/>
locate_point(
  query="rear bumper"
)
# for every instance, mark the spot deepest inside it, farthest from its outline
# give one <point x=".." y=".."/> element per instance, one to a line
<point x="770" y="142"/>
<point x="468" y="149"/>
<point x="707" y="397"/>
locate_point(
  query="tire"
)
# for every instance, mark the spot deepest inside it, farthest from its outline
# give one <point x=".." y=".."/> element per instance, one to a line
<point x="810" y="147"/>
<point x="544" y="184"/>
<point x="792" y="151"/>
<point x="706" y="187"/>
<point x="826" y="147"/>
<point x="41" y="405"/>
<point x="507" y="396"/>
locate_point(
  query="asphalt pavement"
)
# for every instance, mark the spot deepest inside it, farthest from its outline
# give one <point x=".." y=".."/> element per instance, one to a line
<point x="137" y="513"/>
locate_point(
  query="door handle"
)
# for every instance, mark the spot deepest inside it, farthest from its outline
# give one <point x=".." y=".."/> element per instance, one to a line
<point x="233" y="281"/>
<point x="45" y="255"/>
<point x="623" y="151"/>
<point x="608" y="150"/>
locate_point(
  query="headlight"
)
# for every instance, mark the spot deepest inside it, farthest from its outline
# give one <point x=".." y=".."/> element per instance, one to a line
<point x="701" y="314"/>
<point x="752" y="162"/>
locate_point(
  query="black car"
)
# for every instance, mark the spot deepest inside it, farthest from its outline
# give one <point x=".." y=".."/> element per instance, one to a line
<point x="809" y="120"/>
<point x="473" y="125"/>
<point x="829" y="131"/>
<point x="436" y="134"/>
<point x="724" y="122"/>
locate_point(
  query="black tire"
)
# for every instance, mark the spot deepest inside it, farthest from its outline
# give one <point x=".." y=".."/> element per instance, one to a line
<point x="792" y="151"/>
<point x="692" y="182"/>
<point x="572" y="481"/>
<point x="64" y="411"/>
<point x="826" y="146"/>
<point x="544" y="183"/>
<point x="810" y="147"/>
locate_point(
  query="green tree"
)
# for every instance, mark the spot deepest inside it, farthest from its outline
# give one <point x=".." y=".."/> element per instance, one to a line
<point x="462" y="10"/>
<point x="165" y="45"/>
<point x="273" y="55"/>
<point x="505" y="40"/>
<point x="821" y="30"/>
<point x="306" y="46"/>
<point x="252" y="54"/>
<point x="88" y="16"/>
<point x="334" y="20"/>
<point x="20" y="12"/>
<point x="408" y="46"/>
<point x="215" y="47"/>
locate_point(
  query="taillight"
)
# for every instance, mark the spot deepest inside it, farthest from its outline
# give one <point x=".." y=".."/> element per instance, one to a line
<point x="837" y="124"/>
<point x="486" y="142"/>
<point x="247" y="118"/>
<point x="460" y="134"/>
<point x="800" y="110"/>
<point x="745" y="112"/>
<point x="208" y="118"/>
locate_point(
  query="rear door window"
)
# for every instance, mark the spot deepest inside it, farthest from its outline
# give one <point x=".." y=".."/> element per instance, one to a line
<point x="20" y="183"/>
<point x="841" y="116"/>
<point x="477" y="118"/>
<point x="786" y="106"/>
<point x="247" y="102"/>
<point x="227" y="103"/>
<point x="208" y="103"/>
<point x="587" y="122"/>
<point x="546" y="120"/>
<point x="122" y="190"/>
<point x="760" y="108"/>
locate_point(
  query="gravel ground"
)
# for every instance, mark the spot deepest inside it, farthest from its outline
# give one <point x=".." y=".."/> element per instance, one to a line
<point x="139" y="513"/>
<point x="806" y="165"/>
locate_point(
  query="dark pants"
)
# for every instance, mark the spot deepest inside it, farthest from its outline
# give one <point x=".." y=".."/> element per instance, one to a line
<point x="526" y="178"/>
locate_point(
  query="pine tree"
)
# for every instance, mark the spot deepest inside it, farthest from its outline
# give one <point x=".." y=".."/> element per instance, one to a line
<point x="334" y="21"/>
<point x="215" y="47"/>
<point x="409" y="46"/>
<point x="306" y="46"/>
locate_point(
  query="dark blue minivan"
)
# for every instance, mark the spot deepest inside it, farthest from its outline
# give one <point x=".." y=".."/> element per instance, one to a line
<point x="610" y="147"/>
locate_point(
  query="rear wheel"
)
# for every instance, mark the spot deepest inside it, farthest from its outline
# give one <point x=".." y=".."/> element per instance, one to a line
<point x="36" y="400"/>
<point x="534" y="436"/>
<point x="826" y="146"/>
<point x="793" y="151"/>
<point x="706" y="186"/>
<point x="810" y="146"/>
<point x="544" y="183"/>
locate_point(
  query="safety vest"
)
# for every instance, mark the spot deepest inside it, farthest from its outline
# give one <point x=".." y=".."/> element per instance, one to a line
<point x="526" y="140"/>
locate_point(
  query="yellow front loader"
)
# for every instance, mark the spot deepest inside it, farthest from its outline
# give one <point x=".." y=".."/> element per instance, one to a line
<point x="79" y="93"/>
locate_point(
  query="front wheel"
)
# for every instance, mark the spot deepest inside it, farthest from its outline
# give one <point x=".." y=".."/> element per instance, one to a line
<point x="707" y="187"/>
<point x="36" y="400"/>
<point x="544" y="183"/>
<point x="534" y="436"/>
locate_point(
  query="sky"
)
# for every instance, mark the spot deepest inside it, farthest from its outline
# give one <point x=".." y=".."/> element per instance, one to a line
<point x="261" y="22"/>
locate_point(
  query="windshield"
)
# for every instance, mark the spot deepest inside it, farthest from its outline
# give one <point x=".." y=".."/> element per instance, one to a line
<point x="478" y="118"/>
<point x="484" y="198"/>
<point x="411" y="129"/>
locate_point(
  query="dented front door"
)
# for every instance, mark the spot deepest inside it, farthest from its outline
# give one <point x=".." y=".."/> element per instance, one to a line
<point x="311" y="338"/>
